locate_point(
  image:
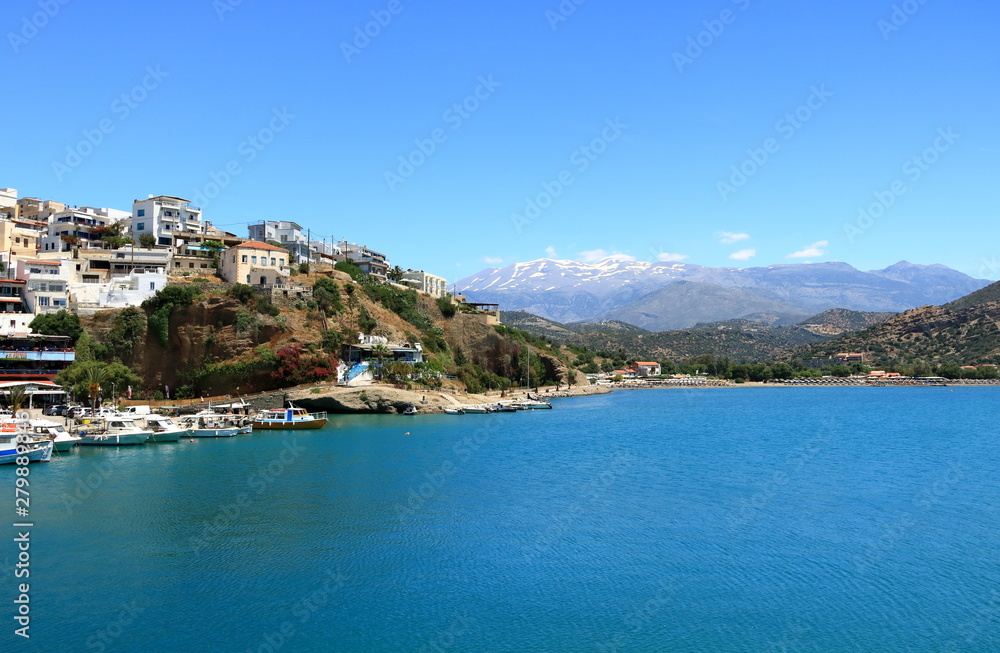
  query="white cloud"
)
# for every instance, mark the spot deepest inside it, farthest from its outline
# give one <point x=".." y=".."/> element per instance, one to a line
<point x="667" y="257"/>
<point x="492" y="260"/>
<point x="595" y="255"/>
<point x="743" y="255"/>
<point x="728" y="237"/>
<point x="551" y="251"/>
<point x="814" y="250"/>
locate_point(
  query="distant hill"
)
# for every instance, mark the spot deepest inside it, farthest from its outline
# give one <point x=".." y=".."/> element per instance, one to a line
<point x="964" y="332"/>
<point x="990" y="293"/>
<point x="686" y="303"/>
<point x="837" y="321"/>
<point x="643" y="293"/>
<point x="741" y="340"/>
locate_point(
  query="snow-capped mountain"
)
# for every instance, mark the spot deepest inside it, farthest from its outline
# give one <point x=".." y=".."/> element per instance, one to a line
<point x="569" y="291"/>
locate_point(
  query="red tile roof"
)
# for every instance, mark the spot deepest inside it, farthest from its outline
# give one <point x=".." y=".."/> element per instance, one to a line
<point x="256" y="244"/>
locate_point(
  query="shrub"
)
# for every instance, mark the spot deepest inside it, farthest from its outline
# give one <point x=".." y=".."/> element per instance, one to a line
<point x="245" y="321"/>
<point x="62" y="323"/>
<point x="241" y="293"/>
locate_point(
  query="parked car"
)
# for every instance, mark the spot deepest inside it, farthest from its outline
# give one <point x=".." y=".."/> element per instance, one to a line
<point x="76" y="412"/>
<point x="58" y="409"/>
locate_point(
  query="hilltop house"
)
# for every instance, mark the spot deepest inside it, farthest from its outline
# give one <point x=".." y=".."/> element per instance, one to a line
<point x="255" y="263"/>
<point x="288" y="234"/>
<point x="166" y="217"/>
<point x="426" y="283"/>
<point x="368" y="260"/>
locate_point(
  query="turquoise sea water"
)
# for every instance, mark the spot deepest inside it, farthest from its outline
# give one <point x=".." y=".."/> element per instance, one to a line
<point x="836" y="519"/>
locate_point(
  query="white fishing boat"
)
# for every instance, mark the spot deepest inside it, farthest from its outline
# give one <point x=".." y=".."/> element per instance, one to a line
<point x="209" y="424"/>
<point x="163" y="428"/>
<point x="113" y="432"/>
<point x="476" y="410"/>
<point x="410" y="410"/>
<point x="11" y="450"/>
<point x="454" y="411"/>
<point x="47" y="430"/>
<point x="530" y="404"/>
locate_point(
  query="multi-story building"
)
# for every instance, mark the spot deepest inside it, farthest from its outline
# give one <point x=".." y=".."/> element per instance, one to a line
<point x="19" y="238"/>
<point x="368" y="260"/>
<point x="166" y="217"/>
<point x="79" y="227"/>
<point x="47" y="284"/>
<point x="38" y="358"/>
<point x="33" y="208"/>
<point x="426" y="283"/>
<point x="8" y="198"/>
<point x="288" y="234"/>
<point x="14" y="318"/>
<point x="255" y="263"/>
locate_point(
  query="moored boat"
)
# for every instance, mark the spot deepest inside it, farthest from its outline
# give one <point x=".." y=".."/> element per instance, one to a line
<point x="454" y="411"/>
<point x="163" y="428"/>
<point x="410" y="410"/>
<point x="11" y="450"/>
<point x="476" y="410"/>
<point x="292" y="417"/>
<point x="47" y="430"/>
<point x="114" y="432"/>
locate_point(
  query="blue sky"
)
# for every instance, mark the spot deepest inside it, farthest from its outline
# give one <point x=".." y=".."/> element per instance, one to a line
<point x="456" y="137"/>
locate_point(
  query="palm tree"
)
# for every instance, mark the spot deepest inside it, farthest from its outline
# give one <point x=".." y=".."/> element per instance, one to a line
<point x="396" y="274"/>
<point x="381" y="352"/>
<point x="94" y="377"/>
<point x="16" y="397"/>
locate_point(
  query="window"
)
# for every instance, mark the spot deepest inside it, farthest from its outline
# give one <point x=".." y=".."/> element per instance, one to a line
<point x="272" y="261"/>
<point x="164" y="240"/>
<point x="43" y="301"/>
<point x="244" y="258"/>
<point x="253" y="259"/>
<point x="234" y="258"/>
<point x="152" y="285"/>
<point x="141" y="213"/>
<point x="140" y="226"/>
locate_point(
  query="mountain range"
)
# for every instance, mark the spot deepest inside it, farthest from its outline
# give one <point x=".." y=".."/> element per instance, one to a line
<point x="666" y="296"/>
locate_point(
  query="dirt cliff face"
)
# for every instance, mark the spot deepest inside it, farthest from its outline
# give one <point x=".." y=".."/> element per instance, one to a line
<point x="205" y="333"/>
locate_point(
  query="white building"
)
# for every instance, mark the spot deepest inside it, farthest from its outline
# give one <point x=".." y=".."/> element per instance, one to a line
<point x="368" y="260"/>
<point x="83" y="224"/>
<point x="8" y="197"/>
<point x="167" y="218"/>
<point x="426" y="283"/>
<point x="47" y="284"/>
<point x="288" y="234"/>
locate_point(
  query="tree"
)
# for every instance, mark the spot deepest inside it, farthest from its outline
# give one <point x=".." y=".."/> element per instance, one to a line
<point x="16" y="397"/>
<point x="62" y="323"/>
<point x="90" y="378"/>
<point x="396" y="274"/>
<point x="147" y="241"/>
<point x="326" y="293"/>
<point x="381" y="352"/>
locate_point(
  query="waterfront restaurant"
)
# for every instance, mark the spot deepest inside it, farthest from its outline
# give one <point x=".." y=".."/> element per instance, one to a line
<point x="26" y="357"/>
<point x="40" y="394"/>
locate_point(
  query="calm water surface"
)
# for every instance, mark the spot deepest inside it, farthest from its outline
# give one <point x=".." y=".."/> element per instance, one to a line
<point x="841" y="519"/>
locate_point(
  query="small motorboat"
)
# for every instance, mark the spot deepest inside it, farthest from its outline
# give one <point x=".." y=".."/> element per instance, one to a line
<point x="45" y="429"/>
<point x="454" y="411"/>
<point x="164" y="429"/>
<point x="410" y="410"/>
<point x="11" y="450"/>
<point x="113" y="432"/>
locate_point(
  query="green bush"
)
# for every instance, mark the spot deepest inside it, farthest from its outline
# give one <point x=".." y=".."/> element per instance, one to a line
<point x="62" y="323"/>
<point x="241" y="292"/>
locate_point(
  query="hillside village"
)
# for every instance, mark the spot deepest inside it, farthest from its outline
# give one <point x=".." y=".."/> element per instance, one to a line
<point x="87" y="259"/>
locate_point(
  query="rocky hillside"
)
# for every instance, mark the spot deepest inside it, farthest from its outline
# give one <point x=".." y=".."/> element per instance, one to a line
<point x="221" y="344"/>
<point x="965" y="332"/>
<point x="838" y="321"/>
